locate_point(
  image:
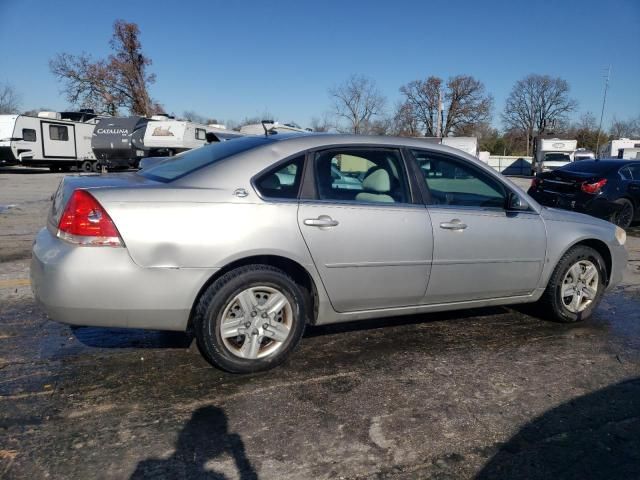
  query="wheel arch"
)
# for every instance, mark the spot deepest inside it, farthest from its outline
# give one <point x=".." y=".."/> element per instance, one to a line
<point x="599" y="246"/>
<point x="293" y="268"/>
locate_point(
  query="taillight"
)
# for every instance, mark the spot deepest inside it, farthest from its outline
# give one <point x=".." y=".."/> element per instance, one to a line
<point x="85" y="222"/>
<point x="593" y="188"/>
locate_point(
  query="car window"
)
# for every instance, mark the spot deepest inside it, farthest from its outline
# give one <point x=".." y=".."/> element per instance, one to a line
<point x="625" y="173"/>
<point x="635" y="172"/>
<point x="454" y="182"/>
<point x="367" y="175"/>
<point x="283" y="181"/>
<point x="192" y="160"/>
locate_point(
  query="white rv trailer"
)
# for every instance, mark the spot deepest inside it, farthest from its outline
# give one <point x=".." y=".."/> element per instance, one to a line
<point x="551" y="153"/>
<point x="272" y="127"/>
<point x="583" y="154"/>
<point x="466" y="144"/>
<point x="58" y="140"/>
<point x="612" y="148"/>
<point x="629" y="153"/>
<point x="166" y="137"/>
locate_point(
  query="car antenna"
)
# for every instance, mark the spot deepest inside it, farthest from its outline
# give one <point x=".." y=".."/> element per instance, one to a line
<point x="267" y="131"/>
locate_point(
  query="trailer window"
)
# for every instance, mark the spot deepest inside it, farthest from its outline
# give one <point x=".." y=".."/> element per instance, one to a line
<point x="58" y="132"/>
<point x="201" y="134"/>
<point x="28" y="135"/>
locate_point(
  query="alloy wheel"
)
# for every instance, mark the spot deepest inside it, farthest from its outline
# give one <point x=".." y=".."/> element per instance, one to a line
<point x="580" y="286"/>
<point x="256" y="322"/>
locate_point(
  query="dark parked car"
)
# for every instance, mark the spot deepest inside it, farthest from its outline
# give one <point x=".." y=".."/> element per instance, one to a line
<point x="608" y="189"/>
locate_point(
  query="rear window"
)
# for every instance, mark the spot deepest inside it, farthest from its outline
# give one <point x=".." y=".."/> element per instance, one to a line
<point x="198" y="158"/>
<point x="590" y="166"/>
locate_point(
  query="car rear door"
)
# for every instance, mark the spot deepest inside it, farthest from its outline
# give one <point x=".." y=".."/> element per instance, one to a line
<point x="481" y="250"/>
<point x="369" y="239"/>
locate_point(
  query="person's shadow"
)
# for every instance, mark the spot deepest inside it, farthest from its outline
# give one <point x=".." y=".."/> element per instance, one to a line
<point x="203" y="438"/>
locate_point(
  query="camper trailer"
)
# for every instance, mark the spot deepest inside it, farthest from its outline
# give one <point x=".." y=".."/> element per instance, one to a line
<point x="612" y="148"/>
<point x="551" y="153"/>
<point x="166" y="137"/>
<point x="221" y="133"/>
<point x="58" y="140"/>
<point x="466" y="144"/>
<point x="272" y="127"/>
<point x="583" y="154"/>
<point x="119" y="141"/>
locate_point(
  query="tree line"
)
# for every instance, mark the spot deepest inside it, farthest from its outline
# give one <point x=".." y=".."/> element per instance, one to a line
<point x="458" y="106"/>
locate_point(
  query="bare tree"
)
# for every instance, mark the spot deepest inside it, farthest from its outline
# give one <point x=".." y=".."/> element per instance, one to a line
<point x="192" y="116"/>
<point x="323" y="124"/>
<point x="357" y="101"/>
<point x="9" y="99"/>
<point x="405" y="121"/>
<point x="421" y="102"/>
<point x="536" y="105"/>
<point x="120" y="81"/>
<point x="463" y="100"/>
<point x="467" y="104"/>
<point x="625" y="128"/>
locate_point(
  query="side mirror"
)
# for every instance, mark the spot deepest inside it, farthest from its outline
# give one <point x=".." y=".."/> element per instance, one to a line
<point x="516" y="202"/>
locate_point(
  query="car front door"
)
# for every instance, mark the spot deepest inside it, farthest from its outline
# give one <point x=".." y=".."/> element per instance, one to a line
<point x="369" y="239"/>
<point x="481" y="250"/>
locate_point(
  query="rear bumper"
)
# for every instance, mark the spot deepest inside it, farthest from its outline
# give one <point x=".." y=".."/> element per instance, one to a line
<point x="102" y="286"/>
<point x="598" y="207"/>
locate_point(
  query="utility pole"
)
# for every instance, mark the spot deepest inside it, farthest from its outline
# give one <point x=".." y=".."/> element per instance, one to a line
<point x="604" y="101"/>
<point x="439" y="121"/>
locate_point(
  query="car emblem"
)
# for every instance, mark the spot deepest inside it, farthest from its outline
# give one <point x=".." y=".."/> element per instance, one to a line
<point x="240" y="193"/>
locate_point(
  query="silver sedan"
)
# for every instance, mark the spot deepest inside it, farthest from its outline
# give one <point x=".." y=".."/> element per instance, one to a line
<point x="245" y="242"/>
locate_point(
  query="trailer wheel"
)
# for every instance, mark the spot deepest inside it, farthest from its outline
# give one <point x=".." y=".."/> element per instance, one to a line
<point x="87" y="166"/>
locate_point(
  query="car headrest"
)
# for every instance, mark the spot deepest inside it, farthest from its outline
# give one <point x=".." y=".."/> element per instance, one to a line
<point x="272" y="182"/>
<point x="377" y="181"/>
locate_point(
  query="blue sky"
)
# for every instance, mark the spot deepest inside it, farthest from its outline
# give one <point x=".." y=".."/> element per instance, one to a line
<point x="232" y="59"/>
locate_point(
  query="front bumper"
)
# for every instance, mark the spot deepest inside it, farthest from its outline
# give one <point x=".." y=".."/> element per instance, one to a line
<point x="102" y="286"/>
<point x="619" y="260"/>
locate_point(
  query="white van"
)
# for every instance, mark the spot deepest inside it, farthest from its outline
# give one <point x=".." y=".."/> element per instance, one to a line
<point x="551" y="153"/>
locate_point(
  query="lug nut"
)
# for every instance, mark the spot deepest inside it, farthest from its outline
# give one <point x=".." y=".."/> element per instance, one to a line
<point x="264" y="315"/>
<point x="254" y="313"/>
<point x="265" y="325"/>
<point x="247" y="324"/>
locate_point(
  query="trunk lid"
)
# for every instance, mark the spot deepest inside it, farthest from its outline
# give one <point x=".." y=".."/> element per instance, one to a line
<point x="566" y="182"/>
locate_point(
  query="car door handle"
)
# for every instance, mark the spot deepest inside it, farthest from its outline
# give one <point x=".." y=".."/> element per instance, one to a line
<point x="321" y="221"/>
<point x="454" y="224"/>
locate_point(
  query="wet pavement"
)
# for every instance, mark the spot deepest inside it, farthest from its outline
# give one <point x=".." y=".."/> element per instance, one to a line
<point x="485" y="393"/>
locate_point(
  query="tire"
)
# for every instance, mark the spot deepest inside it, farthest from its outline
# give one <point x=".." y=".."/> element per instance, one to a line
<point x="554" y="304"/>
<point x="54" y="169"/>
<point x="623" y="217"/>
<point x="227" y="300"/>
<point x="86" y="166"/>
<point x="95" y="166"/>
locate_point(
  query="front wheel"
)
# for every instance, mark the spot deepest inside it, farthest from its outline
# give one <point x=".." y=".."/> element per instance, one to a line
<point x="576" y="285"/>
<point x="250" y="319"/>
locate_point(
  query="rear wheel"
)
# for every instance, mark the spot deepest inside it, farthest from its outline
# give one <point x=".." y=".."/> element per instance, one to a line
<point x="87" y="166"/>
<point x="250" y="319"/>
<point x="576" y="286"/>
<point x="624" y="216"/>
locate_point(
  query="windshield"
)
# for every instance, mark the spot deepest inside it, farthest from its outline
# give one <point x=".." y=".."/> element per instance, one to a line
<point x="557" y="157"/>
<point x="188" y="162"/>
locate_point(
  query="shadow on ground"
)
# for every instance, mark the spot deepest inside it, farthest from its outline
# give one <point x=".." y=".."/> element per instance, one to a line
<point x="203" y="438"/>
<point x="592" y="437"/>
